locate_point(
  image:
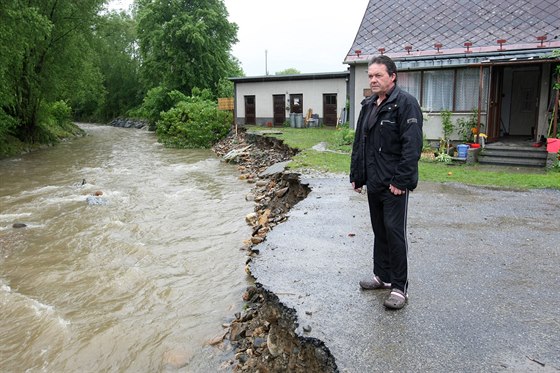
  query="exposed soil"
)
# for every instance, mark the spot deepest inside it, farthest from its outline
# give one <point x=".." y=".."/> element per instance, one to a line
<point x="263" y="335"/>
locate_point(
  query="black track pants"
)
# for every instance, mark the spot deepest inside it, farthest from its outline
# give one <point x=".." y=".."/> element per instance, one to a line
<point x="388" y="219"/>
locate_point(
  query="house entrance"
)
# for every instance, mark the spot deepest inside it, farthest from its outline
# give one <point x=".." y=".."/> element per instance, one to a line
<point x="524" y="101"/>
<point x="279" y="109"/>
<point x="514" y="102"/>
<point x="250" y="110"/>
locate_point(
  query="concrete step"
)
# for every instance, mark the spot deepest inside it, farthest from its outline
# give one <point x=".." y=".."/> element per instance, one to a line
<point x="512" y="161"/>
<point x="512" y="153"/>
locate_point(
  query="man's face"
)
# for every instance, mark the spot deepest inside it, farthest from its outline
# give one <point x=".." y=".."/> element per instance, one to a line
<point x="380" y="81"/>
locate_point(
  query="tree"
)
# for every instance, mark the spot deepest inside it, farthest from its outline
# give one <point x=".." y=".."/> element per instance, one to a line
<point x="185" y="43"/>
<point x="45" y="46"/>
<point x="118" y="62"/>
<point x="288" y="71"/>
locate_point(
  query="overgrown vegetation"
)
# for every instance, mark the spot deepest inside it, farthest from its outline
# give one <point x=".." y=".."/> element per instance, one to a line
<point x="102" y="64"/>
<point x="194" y="122"/>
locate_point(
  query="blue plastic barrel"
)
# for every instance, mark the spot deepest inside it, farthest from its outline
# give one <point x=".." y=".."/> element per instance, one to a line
<point x="462" y="150"/>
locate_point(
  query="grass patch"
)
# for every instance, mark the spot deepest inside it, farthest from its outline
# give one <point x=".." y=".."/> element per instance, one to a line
<point x="337" y="160"/>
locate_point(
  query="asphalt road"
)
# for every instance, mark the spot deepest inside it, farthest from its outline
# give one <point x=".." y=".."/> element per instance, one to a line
<point x="484" y="279"/>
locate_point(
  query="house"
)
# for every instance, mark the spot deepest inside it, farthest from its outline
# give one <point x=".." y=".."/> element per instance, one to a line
<point x="492" y="56"/>
<point x="281" y="99"/>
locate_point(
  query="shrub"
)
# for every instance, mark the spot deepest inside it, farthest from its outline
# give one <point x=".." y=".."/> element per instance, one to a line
<point x="344" y="135"/>
<point x="156" y="101"/>
<point x="194" y="122"/>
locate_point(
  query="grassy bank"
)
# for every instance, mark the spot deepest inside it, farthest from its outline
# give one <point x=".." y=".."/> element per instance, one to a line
<point x="48" y="135"/>
<point x="336" y="159"/>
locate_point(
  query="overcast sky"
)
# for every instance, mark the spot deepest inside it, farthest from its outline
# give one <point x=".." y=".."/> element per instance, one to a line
<point x="308" y="35"/>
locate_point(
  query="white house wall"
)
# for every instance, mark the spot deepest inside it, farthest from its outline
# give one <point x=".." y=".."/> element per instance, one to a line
<point x="312" y="91"/>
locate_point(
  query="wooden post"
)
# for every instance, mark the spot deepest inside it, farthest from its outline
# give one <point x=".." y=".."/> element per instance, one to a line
<point x="480" y="90"/>
<point x="555" y="110"/>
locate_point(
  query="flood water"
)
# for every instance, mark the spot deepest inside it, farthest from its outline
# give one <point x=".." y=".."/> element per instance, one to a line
<point x="137" y="283"/>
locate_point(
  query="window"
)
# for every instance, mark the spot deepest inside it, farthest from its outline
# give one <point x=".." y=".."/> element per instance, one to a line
<point x="467" y="89"/>
<point x="437" y="90"/>
<point x="411" y="81"/>
<point x="446" y="89"/>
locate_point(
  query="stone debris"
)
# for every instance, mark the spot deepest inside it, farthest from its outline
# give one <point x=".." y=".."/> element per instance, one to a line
<point x="264" y="335"/>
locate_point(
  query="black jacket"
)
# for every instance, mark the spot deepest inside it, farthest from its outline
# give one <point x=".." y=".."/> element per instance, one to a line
<point x="388" y="145"/>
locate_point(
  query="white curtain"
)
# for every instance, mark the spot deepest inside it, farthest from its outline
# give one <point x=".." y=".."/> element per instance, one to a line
<point x="437" y="92"/>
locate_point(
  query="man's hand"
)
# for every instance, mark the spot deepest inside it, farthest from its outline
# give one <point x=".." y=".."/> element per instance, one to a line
<point x="357" y="190"/>
<point x="396" y="191"/>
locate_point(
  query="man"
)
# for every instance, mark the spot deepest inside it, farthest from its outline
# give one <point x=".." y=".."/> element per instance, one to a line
<point x="385" y="154"/>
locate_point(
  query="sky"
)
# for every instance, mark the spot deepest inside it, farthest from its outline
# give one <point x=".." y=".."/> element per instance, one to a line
<point x="311" y="36"/>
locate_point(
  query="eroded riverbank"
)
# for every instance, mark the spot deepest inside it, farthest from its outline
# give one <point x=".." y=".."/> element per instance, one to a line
<point x="264" y="334"/>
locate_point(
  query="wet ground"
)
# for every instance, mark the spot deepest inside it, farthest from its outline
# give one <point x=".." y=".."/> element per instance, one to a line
<point x="484" y="270"/>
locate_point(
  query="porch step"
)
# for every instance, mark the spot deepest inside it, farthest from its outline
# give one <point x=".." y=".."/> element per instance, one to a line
<point x="509" y="155"/>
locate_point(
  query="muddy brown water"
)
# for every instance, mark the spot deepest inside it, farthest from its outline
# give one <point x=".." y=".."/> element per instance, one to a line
<point x="137" y="283"/>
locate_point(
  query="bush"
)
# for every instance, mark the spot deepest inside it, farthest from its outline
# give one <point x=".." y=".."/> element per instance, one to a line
<point x="344" y="135"/>
<point x="156" y="101"/>
<point x="194" y="122"/>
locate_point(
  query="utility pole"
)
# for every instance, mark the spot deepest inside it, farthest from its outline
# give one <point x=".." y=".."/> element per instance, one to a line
<point x="265" y="62"/>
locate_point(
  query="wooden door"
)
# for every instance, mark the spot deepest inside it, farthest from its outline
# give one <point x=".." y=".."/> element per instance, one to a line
<point x="330" y="117"/>
<point x="494" y="120"/>
<point x="250" y="110"/>
<point x="279" y="109"/>
<point x="524" y="101"/>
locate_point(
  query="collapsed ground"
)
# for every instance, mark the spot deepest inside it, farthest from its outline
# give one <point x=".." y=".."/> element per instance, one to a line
<point x="263" y="335"/>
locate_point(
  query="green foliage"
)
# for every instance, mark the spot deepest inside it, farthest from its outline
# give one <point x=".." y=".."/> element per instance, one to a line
<point x="117" y="87"/>
<point x="444" y="158"/>
<point x="288" y="71"/>
<point x="446" y="124"/>
<point x="194" y="122"/>
<point x="156" y="101"/>
<point x="185" y="43"/>
<point x="465" y="126"/>
<point x="44" y="46"/>
<point x="345" y="136"/>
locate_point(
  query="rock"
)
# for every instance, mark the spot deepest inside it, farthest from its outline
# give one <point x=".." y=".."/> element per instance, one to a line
<point x="271" y="343"/>
<point x="93" y="200"/>
<point x="256" y="240"/>
<point x="274" y="169"/>
<point x="252" y="219"/>
<point x="19" y="225"/>
<point x="217" y="339"/>
<point x="281" y="192"/>
<point x="237" y="331"/>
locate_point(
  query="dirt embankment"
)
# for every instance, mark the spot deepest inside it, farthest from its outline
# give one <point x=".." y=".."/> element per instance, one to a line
<point x="263" y="335"/>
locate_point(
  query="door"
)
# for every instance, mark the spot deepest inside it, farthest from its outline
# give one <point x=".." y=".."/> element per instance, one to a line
<point x="279" y="109"/>
<point x="250" y="110"/>
<point x="494" y="120"/>
<point x="330" y="117"/>
<point x="524" y="101"/>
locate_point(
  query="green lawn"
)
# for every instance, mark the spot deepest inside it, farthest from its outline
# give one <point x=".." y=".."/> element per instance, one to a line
<point x="337" y="160"/>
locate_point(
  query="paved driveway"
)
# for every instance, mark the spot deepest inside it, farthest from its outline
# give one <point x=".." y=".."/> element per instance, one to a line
<point x="484" y="274"/>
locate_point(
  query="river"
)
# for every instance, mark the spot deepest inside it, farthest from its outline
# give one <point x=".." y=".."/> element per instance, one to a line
<point x="137" y="283"/>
